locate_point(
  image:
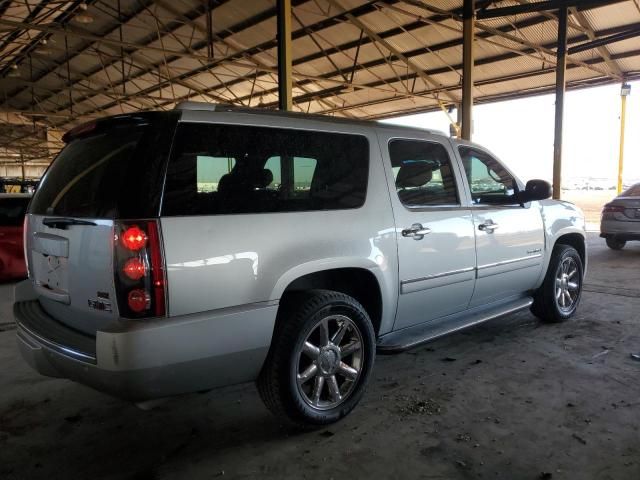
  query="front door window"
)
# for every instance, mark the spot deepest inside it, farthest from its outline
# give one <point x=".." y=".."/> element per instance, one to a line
<point x="490" y="183"/>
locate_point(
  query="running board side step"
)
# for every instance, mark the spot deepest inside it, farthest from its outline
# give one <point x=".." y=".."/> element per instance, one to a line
<point x="410" y="337"/>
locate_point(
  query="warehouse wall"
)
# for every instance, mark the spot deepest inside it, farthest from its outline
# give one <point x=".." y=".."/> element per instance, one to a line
<point x="30" y="171"/>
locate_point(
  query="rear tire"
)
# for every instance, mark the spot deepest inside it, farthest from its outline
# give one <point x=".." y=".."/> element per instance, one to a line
<point x="615" y="244"/>
<point x="559" y="295"/>
<point x="321" y="357"/>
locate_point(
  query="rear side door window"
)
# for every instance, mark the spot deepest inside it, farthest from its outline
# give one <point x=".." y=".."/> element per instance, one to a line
<point x="423" y="173"/>
<point x="226" y="169"/>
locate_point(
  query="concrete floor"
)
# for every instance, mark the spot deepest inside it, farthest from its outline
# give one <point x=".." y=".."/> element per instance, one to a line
<point x="511" y="399"/>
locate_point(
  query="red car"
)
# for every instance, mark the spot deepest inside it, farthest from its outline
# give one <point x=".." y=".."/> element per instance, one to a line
<point x="13" y="207"/>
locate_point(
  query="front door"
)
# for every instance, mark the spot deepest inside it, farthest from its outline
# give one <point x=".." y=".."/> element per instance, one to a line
<point x="509" y="236"/>
<point x="436" y="250"/>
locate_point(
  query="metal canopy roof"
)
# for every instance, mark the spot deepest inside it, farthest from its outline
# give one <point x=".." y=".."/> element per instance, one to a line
<point x="62" y="63"/>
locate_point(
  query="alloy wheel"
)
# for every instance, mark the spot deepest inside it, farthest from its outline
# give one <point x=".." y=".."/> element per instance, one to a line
<point x="329" y="362"/>
<point x="567" y="284"/>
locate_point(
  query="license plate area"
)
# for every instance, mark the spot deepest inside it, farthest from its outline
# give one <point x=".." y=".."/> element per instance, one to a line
<point x="51" y="272"/>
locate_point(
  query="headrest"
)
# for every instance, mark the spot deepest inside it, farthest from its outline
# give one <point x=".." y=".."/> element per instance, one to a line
<point x="413" y="174"/>
<point x="264" y="178"/>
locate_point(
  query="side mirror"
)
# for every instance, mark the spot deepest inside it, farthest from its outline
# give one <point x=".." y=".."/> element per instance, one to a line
<point x="535" y="190"/>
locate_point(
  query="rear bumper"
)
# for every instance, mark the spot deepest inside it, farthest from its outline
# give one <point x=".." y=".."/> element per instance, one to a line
<point x="620" y="229"/>
<point x="142" y="361"/>
<point x="621" y="236"/>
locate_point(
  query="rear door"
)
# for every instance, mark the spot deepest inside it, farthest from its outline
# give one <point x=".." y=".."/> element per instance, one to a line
<point x="509" y="236"/>
<point x="434" y="229"/>
<point x="109" y="170"/>
<point x="259" y="202"/>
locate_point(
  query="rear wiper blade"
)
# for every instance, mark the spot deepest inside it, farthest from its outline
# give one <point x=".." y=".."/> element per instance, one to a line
<point x="63" y="223"/>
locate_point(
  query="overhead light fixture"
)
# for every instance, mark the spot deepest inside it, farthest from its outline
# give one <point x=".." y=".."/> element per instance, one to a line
<point x="42" y="51"/>
<point x="625" y="90"/>
<point x="13" y="72"/>
<point x="82" y="16"/>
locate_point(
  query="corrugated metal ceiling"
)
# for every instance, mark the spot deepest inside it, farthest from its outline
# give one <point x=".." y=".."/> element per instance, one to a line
<point x="62" y="63"/>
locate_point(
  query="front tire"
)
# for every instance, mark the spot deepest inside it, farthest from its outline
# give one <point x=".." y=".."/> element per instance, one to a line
<point x="615" y="244"/>
<point x="320" y="359"/>
<point x="559" y="295"/>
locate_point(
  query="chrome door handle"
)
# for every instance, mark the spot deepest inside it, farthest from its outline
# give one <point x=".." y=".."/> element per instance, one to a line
<point x="489" y="226"/>
<point x="417" y="231"/>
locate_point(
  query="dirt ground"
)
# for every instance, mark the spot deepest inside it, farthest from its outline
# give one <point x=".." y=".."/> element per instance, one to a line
<point x="511" y="399"/>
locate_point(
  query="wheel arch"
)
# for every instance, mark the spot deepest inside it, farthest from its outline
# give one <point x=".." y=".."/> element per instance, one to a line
<point x="577" y="241"/>
<point x="572" y="236"/>
<point x="357" y="282"/>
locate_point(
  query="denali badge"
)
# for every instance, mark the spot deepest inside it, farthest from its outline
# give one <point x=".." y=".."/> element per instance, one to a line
<point x="100" y="304"/>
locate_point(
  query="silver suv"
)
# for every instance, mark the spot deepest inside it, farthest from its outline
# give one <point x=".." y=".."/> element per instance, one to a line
<point x="174" y="252"/>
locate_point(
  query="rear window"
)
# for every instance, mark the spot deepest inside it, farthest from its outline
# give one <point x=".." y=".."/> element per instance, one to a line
<point x="226" y="169"/>
<point x="632" y="192"/>
<point x="114" y="173"/>
<point x="12" y="211"/>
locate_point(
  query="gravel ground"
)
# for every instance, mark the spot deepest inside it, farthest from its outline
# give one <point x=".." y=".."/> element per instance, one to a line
<point x="510" y="399"/>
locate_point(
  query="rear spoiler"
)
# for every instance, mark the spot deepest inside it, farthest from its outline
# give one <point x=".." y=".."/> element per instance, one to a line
<point x="97" y="126"/>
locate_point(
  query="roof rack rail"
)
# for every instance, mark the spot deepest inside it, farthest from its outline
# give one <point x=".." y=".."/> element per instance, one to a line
<point x="228" y="107"/>
<point x="211" y="107"/>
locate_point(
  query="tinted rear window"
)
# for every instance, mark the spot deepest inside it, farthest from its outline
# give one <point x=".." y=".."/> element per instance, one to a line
<point x="113" y="173"/>
<point x="225" y="169"/>
<point x="632" y="192"/>
<point x="12" y="211"/>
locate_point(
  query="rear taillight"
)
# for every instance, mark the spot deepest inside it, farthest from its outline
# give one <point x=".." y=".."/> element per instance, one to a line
<point x="139" y="300"/>
<point x="134" y="238"/>
<point x="25" y="225"/>
<point x="134" y="268"/>
<point x="610" y="208"/>
<point x="139" y="269"/>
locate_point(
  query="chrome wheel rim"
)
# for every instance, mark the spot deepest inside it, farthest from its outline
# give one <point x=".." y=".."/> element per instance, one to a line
<point x="329" y="362"/>
<point x="567" y="285"/>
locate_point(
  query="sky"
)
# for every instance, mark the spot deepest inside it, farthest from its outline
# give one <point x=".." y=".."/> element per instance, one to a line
<point x="520" y="133"/>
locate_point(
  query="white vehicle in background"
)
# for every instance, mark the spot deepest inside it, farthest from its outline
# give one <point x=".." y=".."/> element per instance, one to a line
<point x="621" y="219"/>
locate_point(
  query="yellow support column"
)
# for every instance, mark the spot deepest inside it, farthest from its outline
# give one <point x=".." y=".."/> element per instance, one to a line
<point x="624" y="93"/>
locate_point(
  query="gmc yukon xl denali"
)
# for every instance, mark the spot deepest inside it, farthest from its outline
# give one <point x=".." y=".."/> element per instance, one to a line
<point x="175" y="252"/>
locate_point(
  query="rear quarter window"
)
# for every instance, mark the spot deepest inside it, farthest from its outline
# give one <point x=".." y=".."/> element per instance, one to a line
<point x="226" y="169"/>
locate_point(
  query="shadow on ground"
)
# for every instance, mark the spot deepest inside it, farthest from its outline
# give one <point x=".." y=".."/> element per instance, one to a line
<point x="510" y="399"/>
